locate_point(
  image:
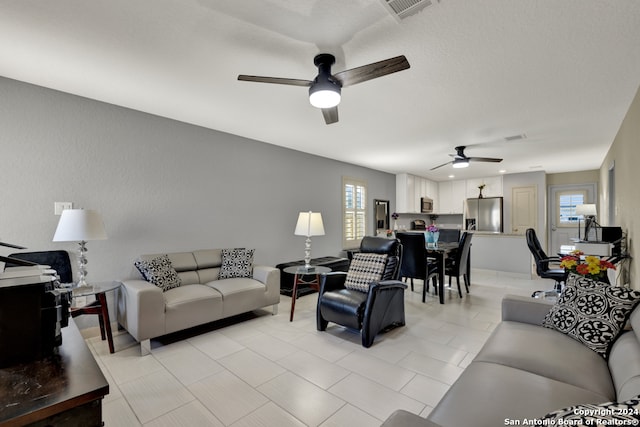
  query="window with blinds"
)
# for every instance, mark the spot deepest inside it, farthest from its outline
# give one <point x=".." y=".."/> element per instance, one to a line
<point x="354" y="212"/>
<point x="567" y="202"/>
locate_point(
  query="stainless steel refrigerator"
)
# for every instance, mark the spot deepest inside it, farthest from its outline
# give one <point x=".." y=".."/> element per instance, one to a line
<point x="484" y="214"/>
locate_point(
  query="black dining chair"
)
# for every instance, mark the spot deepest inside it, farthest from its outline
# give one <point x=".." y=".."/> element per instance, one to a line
<point x="544" y="267"/>
<point x="415" y="263"/>
<point x="457" y="264"/>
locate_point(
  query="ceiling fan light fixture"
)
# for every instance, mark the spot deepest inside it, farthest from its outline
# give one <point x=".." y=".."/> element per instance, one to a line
<point x="460" y="163"/>
<point x="324" y="94"/>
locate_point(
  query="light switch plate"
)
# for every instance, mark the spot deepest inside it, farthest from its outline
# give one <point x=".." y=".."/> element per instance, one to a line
<point x="60" y="206"/>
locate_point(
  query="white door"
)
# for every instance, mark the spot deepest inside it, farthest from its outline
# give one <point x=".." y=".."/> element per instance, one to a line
<point x="524" y="209"/>
<point x="565" y="225"/>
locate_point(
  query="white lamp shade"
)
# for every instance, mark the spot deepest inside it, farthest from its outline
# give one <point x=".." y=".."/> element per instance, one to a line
<point x="79" y="224"/>
<point x="586" y="210"/>
<point x="309" y="224"/>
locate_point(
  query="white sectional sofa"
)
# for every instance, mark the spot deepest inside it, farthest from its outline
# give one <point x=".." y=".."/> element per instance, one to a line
<point x="146" y="310"/>
<point x="525" y="371"/>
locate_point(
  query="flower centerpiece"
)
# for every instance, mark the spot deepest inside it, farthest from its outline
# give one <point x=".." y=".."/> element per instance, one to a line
<point x="395" y="217"/>
<point x="432" y="235"/>
<point x="591" y="266"/>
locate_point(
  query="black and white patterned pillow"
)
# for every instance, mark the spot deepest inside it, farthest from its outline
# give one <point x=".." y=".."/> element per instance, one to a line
<point x="609" y="414"/>
<point x="159" y="271"/>
<point x="364" y="269"/>
<point x="592" y="312"/>
<point x="236" y="262"/>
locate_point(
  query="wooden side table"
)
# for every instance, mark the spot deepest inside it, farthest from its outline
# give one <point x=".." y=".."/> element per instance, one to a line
<point x="99" y="306"/>
<point x="299" y="272"/>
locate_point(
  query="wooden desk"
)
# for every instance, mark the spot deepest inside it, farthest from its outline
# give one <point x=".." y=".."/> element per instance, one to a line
<point x="66" y="388"/>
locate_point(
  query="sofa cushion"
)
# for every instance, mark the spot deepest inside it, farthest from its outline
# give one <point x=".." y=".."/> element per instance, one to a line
<point x="611" y="413"/>
<point x="236" y="263"/>
<point x="592" y="312"/>
<point x="159" y="271"/>
<point x="514" y="394"/>
<point x="191" y="305"/>
<point x="364" y="269"/>
<point x="548" y="353"/>
<point x="239" y="294"/>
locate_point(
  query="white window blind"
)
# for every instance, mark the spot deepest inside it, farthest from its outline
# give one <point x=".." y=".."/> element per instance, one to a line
<point x="354" y="212"/>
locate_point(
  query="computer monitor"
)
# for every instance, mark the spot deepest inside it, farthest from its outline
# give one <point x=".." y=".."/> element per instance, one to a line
<point x="613" y="235"/>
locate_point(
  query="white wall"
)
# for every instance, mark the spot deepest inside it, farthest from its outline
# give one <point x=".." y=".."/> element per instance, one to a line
<point x="624" y="154"/>
<point x="161" y="185"/>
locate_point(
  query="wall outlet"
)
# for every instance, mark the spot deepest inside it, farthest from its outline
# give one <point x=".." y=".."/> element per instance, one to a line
<point x="58" y="207"/>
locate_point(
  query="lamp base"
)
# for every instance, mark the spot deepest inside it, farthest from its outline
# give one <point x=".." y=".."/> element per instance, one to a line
<point x="82" y="263"/>
<point x="307" y="253"/>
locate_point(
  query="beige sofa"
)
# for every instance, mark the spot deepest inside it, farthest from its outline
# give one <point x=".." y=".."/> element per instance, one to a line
<point x="146" y="311"/>
<point x="525" y="371"/>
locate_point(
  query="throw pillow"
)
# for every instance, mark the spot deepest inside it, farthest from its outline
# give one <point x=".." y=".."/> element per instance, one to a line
<point x="592" y="312"/>
<point x="609" y="414"/>
<point x="160" y="272"/>
<point x="364" y="269"/>
<point x="236" y="262"/>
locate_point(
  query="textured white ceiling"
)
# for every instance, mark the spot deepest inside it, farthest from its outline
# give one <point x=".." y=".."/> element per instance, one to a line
<point x="562" y="72"/>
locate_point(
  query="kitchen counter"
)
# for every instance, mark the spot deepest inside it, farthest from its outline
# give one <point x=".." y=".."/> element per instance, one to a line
<point x="501" y="252"/>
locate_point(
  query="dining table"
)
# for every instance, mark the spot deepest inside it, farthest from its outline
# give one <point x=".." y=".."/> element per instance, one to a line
<point x="440" y="252"/>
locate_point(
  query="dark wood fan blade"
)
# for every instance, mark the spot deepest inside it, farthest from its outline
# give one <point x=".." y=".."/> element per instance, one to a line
<point x="276" y="80"/>
<point x="484" y="159"/>
<point x="330" y="115"/>
<point x="372" y="71"/>
<point x="439" y="166"/>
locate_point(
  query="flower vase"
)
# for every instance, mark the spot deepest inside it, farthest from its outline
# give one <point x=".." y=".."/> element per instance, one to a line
<point x="432" y="238"/>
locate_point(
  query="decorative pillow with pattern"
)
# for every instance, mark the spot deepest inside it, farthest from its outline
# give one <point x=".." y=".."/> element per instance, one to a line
<point x="160" y="272"/>
<point x="364" y="269"/>
<point x="606" y="414"/>
<point x="592" y="312"/>
<point x="236" y="262"/>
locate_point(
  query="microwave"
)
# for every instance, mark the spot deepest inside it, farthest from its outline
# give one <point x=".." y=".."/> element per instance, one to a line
<point x="426" y="205"/>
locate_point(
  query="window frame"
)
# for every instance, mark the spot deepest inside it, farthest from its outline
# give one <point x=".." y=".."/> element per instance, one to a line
<point x="357" y="214"/>
<point x="575" y="220"/>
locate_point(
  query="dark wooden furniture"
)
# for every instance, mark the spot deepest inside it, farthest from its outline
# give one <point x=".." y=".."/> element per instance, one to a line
<point x="300" y="280"/>
<point x="64" y="389"/>
<point x="441" y="253"/>
<point x="99" y="306"/>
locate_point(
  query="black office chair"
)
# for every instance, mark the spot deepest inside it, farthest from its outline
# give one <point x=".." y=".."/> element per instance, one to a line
<point x="543" y="266"/>
<point x="457" y="265"/>
<point x="57" y="260"/>
<point x="378" y="308"/>
<point x="415" y="264"/>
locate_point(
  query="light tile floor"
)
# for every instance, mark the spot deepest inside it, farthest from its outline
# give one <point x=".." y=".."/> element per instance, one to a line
<point x="266" y="371"/>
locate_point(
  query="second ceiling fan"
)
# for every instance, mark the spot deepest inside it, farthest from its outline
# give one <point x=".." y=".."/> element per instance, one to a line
<point x="325" y="89"/>
<point x="460" y="160"/>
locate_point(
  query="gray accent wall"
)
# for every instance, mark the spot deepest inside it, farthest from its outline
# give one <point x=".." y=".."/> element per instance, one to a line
<point x="160" y="185"/>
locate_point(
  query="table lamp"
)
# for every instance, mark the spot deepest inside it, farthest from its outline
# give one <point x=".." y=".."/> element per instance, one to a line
<point x="80" y="225"/>
<point x="309" y="224"/>
<point x="589" y="212"/>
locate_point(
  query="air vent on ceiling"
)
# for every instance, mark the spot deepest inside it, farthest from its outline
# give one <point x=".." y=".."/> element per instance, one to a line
<point x="515" y="137"/>
<point x="404" y="8"/>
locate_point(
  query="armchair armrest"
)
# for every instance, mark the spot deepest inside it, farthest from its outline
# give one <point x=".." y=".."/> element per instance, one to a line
<point x="387" y="284"/>
<point x="140" y="309"/>
<point x="525" y="309"/>
<point x="270" y="276"/>
<point x="402" y="418"/>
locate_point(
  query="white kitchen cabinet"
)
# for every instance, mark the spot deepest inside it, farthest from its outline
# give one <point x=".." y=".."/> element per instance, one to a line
<point x="451" y="196"/>
<point x="492" y="187"/>
<point x="410" y="189"/>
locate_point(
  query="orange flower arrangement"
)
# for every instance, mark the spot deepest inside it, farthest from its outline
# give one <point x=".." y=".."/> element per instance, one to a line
<point x="592" y="267"/>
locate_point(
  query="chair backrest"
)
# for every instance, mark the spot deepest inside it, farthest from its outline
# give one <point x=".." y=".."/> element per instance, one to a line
<point x="539" y="255"/>
<point x="414" y="255"/>
<point x="449" y="235"/>
<point x="58" y="260"/>
<point x="391" y="247"/>
<point x="462" y="256"/>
